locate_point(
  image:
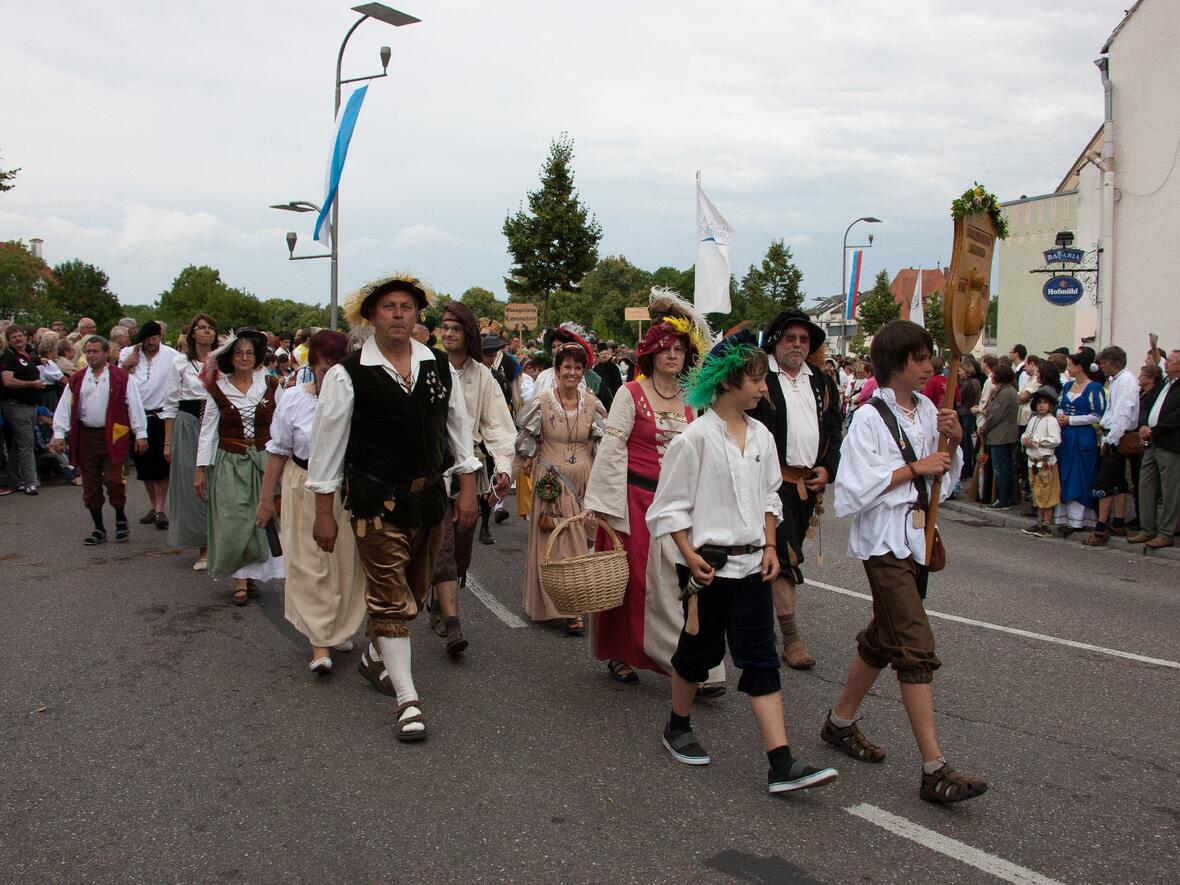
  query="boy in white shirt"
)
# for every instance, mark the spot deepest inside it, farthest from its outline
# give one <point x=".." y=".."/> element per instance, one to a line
<point x="718" y="499"/>
<point x="885" y="491"/>
<point x="1041" y="438"/>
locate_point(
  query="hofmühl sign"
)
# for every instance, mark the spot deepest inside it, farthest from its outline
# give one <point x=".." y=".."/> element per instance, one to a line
<point x="1063" y="291"/>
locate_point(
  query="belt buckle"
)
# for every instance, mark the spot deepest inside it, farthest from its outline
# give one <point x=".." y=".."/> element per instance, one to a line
<point x="418" y="485"/>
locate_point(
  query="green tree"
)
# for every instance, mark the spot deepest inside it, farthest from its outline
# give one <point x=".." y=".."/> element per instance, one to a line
<point x="773" y="286"/>
<point x="201" y="290"/>
<point x="877" y="307"/>
<point x="483" y="303"/>
<point x="285" y="315"/>
<point x="79" y="289"/>
<point x="614" y="285"/>
<point x="857" y="344"/>
<point x="555" y="243"/>
<point x="22" y="277"/>
<point x="993" y="318"/>
<point x="6" y="176"/>
<point x="932" y="313"/>
<point x="682" y="282"/>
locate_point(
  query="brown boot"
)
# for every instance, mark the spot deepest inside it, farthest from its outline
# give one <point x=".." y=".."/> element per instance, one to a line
<point x="795" y="654"/>
<point x="1139" y="538"/>
<point x="1159" y="542"/>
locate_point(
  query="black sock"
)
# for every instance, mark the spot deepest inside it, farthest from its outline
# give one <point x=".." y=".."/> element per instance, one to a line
<point x="1099" y="527"/>
<point x="780" y="757"/>
<point x="678" y="722"/>
<point x="120" y="516"/>
<point x="96" y="515"/>
<point x="1118" y="522"/>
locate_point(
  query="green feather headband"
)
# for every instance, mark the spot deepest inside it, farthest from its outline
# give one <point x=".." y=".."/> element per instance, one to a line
<point x="707" y="377"/>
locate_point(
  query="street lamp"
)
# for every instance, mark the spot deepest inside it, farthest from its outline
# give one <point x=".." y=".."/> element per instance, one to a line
<point x="293" y="238"/>
<point x="844" y="257"/>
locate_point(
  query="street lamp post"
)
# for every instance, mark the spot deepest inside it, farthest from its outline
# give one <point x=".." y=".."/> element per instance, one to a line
<point x="844" y="256"/>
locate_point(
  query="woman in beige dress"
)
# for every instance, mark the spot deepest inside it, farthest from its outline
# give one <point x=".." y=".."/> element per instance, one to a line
<point x="324" y="596"/>
<point x="559" y="433"/>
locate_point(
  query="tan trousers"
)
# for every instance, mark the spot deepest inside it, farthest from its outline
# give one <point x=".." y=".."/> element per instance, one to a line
<point x="398" y="564"/>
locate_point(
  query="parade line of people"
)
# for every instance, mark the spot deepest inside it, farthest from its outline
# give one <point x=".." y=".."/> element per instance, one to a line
<point x="361" y="478"/>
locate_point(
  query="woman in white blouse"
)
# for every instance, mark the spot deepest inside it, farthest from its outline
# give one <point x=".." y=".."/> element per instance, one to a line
<point x="184" y="405"/>
<point x="324" y="597"/>
<point x="231" y="458"/>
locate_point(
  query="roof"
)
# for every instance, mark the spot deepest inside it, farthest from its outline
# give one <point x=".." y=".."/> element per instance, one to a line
<point x="1130" y="12"/>
<point x="902" y="287"/>
<point x="1093" y="150"/>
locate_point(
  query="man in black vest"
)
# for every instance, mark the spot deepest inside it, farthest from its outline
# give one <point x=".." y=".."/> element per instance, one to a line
<point x="803" y="413"/>
<point x="390" y="420"/>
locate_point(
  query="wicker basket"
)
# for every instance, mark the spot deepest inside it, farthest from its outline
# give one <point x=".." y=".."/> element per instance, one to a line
<point x="591" y="582"/>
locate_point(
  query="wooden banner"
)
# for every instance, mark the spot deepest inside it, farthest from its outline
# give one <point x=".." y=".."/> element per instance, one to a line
<point x="520" y="316"/>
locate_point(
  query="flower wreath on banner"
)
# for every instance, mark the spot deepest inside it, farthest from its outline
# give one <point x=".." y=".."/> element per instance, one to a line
<point x="979" y="199"/>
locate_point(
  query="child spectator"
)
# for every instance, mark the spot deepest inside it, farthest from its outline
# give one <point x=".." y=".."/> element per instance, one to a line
<point x="1041" y="438"/>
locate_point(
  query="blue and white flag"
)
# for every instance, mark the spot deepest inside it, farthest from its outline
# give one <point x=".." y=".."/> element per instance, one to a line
<point x="344" y="127"/>
<point x="711" y="293"/>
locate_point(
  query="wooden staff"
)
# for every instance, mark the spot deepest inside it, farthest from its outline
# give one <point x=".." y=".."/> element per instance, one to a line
<point x="944" y="444"/>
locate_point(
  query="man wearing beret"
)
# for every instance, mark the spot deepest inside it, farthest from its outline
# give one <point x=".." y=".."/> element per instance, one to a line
<point x="148" y="362"/>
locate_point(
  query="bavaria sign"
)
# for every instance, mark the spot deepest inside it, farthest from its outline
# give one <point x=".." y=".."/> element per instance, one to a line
<point x="1065" y="256"/>
<point x="1063" y="290"/>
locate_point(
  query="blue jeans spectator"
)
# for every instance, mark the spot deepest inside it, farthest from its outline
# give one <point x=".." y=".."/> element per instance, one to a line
<point x="1001" y="463"/>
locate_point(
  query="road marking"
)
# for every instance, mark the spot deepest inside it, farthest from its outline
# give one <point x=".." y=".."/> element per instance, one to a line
<point x="960" y="851"/>
<point x="1014" y="631"/>
<point x="494" y="605"/>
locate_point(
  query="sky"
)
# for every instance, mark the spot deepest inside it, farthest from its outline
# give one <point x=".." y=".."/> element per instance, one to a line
<point x="151" y="136"/>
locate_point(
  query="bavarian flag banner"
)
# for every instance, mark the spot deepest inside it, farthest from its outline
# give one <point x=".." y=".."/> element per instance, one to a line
<point x="711" y="294"/>
<point x="344" y="127"/>
<point x="853" y="300"/>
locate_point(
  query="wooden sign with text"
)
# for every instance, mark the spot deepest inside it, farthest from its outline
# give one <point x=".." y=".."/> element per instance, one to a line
<point x="520" y="316"/>
<point x="967" y="289"/>
<point x="631" y="314"/>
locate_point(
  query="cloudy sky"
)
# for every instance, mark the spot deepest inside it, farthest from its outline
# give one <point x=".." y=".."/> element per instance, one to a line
<point x="154" y="135"/>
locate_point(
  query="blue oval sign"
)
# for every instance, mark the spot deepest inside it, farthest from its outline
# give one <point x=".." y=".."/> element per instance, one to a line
<point x="1063" y="291"/>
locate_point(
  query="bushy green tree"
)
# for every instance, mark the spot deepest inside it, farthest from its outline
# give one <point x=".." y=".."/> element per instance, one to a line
<point x="201" y="290"/>
<point x="483" y="303"/>
<point x="877" y="307"/>
<point x="932" y="313"/>
<point x="285" y="315"/>
<point x="78" y="289"/>
<point x="23" y="277"/>
<point x="555" y="242"/>
<point x="993" y="318"/>
<point x="614" y="285"/>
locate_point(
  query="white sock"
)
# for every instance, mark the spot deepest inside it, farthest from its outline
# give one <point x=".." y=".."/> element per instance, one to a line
<point x="374" y="655"/>
<point x="933" y="765"/>
<point x="395" y="651"/>
<point x="838" y="722"/>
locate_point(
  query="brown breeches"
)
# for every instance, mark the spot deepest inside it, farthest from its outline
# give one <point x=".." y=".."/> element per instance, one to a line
<point x="98" y="470"/>
<point x="398" y="563"/>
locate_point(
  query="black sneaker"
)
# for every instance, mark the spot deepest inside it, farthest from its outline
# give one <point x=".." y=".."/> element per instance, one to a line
<point x="798" y="776"/>
<point x="684" y="748"/>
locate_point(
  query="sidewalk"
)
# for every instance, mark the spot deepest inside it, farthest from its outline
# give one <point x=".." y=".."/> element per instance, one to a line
<point x="1011" y="519"/>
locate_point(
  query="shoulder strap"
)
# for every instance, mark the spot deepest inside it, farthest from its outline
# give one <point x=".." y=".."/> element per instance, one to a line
<point x="903" y="443"/>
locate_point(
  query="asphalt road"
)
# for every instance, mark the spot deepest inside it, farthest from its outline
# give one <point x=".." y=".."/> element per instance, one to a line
<point x="153" y="732"/>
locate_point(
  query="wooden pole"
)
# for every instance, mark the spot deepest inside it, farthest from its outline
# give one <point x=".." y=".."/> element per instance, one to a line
<point x="948" y="402"/>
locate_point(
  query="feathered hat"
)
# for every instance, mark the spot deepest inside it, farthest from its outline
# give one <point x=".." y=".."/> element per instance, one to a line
<point x="221" y="361"/>
<point x="573" y="333"/>
<point x="358" y="304"/>
<point x="727" y="354"/>
<point x="665" y="334"/>
<point x="664" y="303"/>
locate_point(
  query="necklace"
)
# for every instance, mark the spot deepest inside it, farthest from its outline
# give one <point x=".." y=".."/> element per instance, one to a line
<point x="569" y="429"/>
<point x="664" y="396"/>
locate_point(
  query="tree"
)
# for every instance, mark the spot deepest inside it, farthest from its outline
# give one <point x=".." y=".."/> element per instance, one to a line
<point x="22" y="275"/>
<point x="285" y="315"/>
<point x="614" y="285"/>
<point x="7" y="175"/>
<point x="857" y="344"/>
<point x="773" y="286"/>
<point x="201" y="290"/>
<point x="993" y="318"/>
<point x="878" y="307"/>
<point x="79" y="289"/>
<point x="555" y="243"/>
<point x="483" y="303"/>
<point x="932" y="313"/>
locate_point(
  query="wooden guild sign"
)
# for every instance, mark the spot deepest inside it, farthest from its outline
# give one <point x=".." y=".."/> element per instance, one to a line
<point x="520" y="316"/>
<point x="967" y="292"/>
<point x="634" y="314"/>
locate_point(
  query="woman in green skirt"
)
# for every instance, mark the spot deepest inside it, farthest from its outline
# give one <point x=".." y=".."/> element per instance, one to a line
<point x="231" y="460"/>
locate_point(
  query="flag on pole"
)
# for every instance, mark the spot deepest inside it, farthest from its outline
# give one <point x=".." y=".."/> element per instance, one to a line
<point x="344" y="127"/>
<point x="853" y="288"/>
<point x="711" y="294"/>
<point x="917" y="311"/>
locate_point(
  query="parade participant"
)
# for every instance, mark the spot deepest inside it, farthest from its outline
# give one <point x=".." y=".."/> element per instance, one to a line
<point x="644" y="419"/>
<point x="21" y="391"/>
<point x="1159" y="475"/>
<point x="184" y="406"/>
<point x="232" y="446"/>
<point x="99" y="410"/>
<point x="393" y="479"/>
<point x="718" y="500"/>
<point x="497" y="362"/>
<point x="1042" y="436"/>
<point x="323" y="592"/>
<point x="1082" y="403"/>
<point x="559" y="433"/>
<point x="492" y="434"/>
<point x="1121" y="417"/>
<point x="885" y="491"/>
<point x="566" y="333"/>
<point x="149" y="363"/>
<point x="802" y="412"/>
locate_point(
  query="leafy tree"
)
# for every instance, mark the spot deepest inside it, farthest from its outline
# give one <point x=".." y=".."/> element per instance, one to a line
<point x="7" y="175"/>
<point x="614" y="285"/>
<point x="22" y="276"/>
<point x="483" y="303"/>
<point x="932" y="313"/>
<point x="575" y="307"/>
<point x="79" y="289"/>
<point x="993" y="318"/>
<point x="683" y="282"/>
<point x="877" y="307"/>
<point x="201" y="290"/>
<point x="285" y="315"/>
<point x="857" y="344"/>
<point x="555" y="243"/>
<point x="773" y="286"/>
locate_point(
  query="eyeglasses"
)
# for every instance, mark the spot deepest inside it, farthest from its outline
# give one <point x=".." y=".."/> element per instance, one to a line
<point x="245" y="353"/>
<point x="679" y="351"/>
<point x="802" y="339"/>
<point x="450" y="327"/>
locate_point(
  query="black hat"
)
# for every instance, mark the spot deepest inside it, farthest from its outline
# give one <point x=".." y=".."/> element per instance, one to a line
<point x="492" y="343"/>
<point x="745" y="336"/>
<point x="223" y="356"/>
<point x="1044" y="392"/>
<point x="792" y="317"/>
<point x="147" y="330"/>
<point x="1064" y="351"/>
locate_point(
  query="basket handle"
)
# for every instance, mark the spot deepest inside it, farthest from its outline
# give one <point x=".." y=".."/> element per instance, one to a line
<point x="565" y="523"/>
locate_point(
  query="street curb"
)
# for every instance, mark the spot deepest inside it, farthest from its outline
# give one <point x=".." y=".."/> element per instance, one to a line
<point x="1011" y="519"/>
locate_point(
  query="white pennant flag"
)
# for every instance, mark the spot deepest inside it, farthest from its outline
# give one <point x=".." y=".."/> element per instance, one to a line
<point x="917" y="311"/>
<point x="711" y="294"/>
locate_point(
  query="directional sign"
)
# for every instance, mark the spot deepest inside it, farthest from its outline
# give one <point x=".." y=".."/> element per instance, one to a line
<point x="1068" y="256"/>
<point x="520" y="316"/>
<point x="1063" y="291"/>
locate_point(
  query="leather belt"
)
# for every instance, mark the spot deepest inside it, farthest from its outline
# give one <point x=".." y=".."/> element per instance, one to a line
<point x="640" y="481"/>
<point x="299" y="462"/>
<point x="194" y="407"/>
<point x="794" y="474"/>
<point x="743" y="549"/>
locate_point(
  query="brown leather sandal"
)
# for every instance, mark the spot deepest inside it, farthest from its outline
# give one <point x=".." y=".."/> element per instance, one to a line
<point x="851" y="741"/>
<point x="239" y="596"/>
<point x="621" y="671"/>
<point x="947" y="785"/>
<point x="400" y="724"/>
<point x="1096" y="539"/>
